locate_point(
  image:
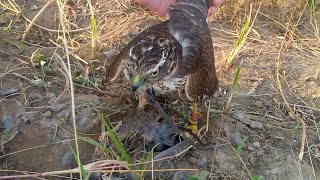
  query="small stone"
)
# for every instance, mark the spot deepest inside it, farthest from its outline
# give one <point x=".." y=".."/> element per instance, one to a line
<point x="58" y="107"/>
<point x="25" y="118"/>
<point x="202" y="161"/>
<point x="278" y="170"/>
<point x="65" y="135"/>
<point x="50" y="95"/>
<point x="256" y="144"/>
<point x="2" y="9"/>
<point x="236" y="139"/>
<point x="51" y="100"/>
<point x="256" y="124"/>
<point x="315" y="96"/>
<point x="240" y="126"/>
<point x="193" y="160"/>
<point x="259" y="104"/>
<point x="110" y="54"/>
<point x="35" y="96"/>
<point x="267" y="172"/>
<point x="180" y="175"/>
<point x="8" y="122"/>
<point x="67" y="159"/>
<point x="251" y="148"/>
<point x="229" y="119"/>
<point x="47" y="114"/>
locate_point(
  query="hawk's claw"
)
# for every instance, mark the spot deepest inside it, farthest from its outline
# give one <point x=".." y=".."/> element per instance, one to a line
<point x="194" y="120"/>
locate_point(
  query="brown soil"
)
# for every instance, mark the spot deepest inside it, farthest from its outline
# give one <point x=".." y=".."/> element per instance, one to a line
<point x="40" y="107"/>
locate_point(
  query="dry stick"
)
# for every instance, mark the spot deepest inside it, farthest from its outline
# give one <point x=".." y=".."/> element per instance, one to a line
<point x="100" y="166"/>
<point x="35" y="18"/>
<point x="71" y="82"/>
<point x="57" y="31"/>
<point x="296" y="117"/>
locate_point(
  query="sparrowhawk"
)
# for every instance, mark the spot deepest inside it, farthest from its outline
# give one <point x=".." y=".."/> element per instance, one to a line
<point x="171" y="54"/>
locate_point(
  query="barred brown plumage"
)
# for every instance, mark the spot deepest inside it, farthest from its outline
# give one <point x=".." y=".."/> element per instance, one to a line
<point x="167" y="55"/>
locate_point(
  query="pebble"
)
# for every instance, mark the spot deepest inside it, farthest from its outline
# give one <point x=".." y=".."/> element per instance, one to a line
<point x="256" y="144"/>
<point x="52" y="98"/>
<point x="2" y="9"/>
<point x="8" y="122"/>
<point x="259" y="104"/>
<point x="25" y="118"/>
<point x="47" y="114"/>
<point x="50" y="95"/>
<point x="67" y="159"/>
<point x="267" y="172"/>
<point x="252" y="160"/>
<point x="251" y="148"/>
<point x="193" y="160"/>
<point x="256" y="124"/>
<point x="35" y="96"/>
<point x="202" y="161"/>
<point x="58" y="107"/>
<point x="240" y="126"/>
<point x="278" y="170"/>
<point x="180" y="175"/>
<point x="236" y="139"/>
<point x="110" y="55"/>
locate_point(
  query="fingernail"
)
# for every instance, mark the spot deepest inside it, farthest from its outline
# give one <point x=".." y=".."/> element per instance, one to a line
<point x="212" y="10"/>
<point x="216" y="2"/>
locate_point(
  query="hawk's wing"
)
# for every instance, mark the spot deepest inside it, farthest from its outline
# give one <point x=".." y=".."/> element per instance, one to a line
<point x="189" y="26"/>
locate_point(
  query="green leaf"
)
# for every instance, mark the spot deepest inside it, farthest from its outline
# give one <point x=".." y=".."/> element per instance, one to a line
<point x="311" y="4"/>
<point x="234" y="85"/>
<point x="240" y="41"/>
<point x="93" y="142"/>
<point x="83" y="172"/>
<point x="241" y="145"/>
<point x="194" y="178"/>
<point x="149" y="155"/>
<point x="114" y="137"/>
<point x="256" y="178"/>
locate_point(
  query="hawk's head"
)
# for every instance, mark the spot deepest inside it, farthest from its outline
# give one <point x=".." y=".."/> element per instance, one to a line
<point x="150" y="65"/>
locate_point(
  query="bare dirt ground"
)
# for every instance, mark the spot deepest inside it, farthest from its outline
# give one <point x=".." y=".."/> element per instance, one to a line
<point x="35" y="102"/>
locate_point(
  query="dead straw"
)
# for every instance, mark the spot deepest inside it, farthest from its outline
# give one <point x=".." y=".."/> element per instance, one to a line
<point x="293" y="113"/>
<point x="35" y="18"/>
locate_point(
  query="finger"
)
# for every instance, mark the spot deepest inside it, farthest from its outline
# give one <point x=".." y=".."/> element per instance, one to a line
<point x="212" y="10"/>
<point x="152" y="5"/>
<point x="216" y="2"/>
<point x="162" y="8"/>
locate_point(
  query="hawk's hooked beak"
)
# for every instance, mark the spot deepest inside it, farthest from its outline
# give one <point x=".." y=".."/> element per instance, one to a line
<point x="136" y="82"/>
<point x="146" y="94"/>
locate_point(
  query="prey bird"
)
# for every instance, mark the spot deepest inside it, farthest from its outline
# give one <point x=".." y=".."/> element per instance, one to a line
<point x="171" y="54"/>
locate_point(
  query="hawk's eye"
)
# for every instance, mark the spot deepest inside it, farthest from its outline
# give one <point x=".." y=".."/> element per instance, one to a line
<point x="155" y="73"/>
<point x="129" y="65"/>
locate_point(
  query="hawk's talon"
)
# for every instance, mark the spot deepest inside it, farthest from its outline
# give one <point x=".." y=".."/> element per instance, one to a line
<point x="193" y="125"/>
<point x="194" y="119"/>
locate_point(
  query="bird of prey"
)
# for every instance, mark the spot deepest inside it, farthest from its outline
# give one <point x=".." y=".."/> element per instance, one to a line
<point x="171" y="54"/>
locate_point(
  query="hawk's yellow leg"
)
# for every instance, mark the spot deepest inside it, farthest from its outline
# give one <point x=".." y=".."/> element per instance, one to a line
<point x="193" y="120"/>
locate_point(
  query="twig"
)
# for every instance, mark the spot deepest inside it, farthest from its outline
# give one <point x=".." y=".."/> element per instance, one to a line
<point x="35" y="18"/>
<point x="22" y="61"/>
<point x="295" y="116"/>
<point x="59" y="3"/>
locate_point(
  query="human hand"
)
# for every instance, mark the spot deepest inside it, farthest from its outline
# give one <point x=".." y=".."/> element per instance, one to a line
<point x="160" y="6"/>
